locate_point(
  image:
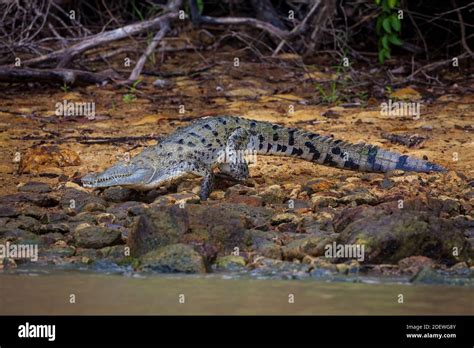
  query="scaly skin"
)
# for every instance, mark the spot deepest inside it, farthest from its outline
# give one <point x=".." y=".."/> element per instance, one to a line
<point x="198" y="149"/>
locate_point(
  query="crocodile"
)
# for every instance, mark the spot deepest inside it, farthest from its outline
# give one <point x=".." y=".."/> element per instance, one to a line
<point x="213" y="147"/>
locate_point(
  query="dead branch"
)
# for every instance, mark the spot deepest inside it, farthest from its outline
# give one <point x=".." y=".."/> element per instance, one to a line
<point x="67" y="54"/>
<point x="435" y="65"/>
<point x="173" y="6"/>
<point x="65" y="76"/>
<point x="463" y="29"/>
<point x="267" y="27"/>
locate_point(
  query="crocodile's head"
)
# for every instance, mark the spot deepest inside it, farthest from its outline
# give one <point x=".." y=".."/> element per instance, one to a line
<point x="129" y="174"/>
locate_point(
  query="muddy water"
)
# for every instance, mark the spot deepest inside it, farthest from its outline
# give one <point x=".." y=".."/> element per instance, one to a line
<point x="114" y="294"/>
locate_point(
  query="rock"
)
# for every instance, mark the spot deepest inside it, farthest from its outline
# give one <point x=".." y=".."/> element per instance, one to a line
<point x="460" y="266"/>
<point x="26" y="222"/>
<point x="262" y="243"/>
<point x="38" y="199"/>
<point x="114" y="253"/>
<point x="413" y="264"/>
<point x="320" y="262"/>
<point x="62" y="228"/>
<point x="230" y="263"/>
<point x="173" y="258"/>
<point x="8" y="211"/>
<point x="45" y="155"/>
<point x="52" y="237"/>
<point x="223" y="226"/>
<point x="359" y="198"/>
<point x="37" y="187"/>
<point x="79" y="201"/>
<point x="273" y="195"/>
<point x="105" y="218"/>
<point x="51" y="217"/>
<point x="91" y="254"/>
<point x="87" y="236"/>
<point x="386" y="184"/>
<point x="157" y="227"/>
<point x="21" y="236"/>
<point x="390" y="234"/>
<point x="282" y="218"/>
<point x="117" y="194"/>
<point x="318" y="185"/>
<point x="122" y="211"/>
<point x="253" y="201"/>
<point x="177" y="198"/>
<point x="312" y="246"/>
<point x="299" y="205"/>
<point x="427" y="276"/>
<point x="387" y="270"/>
<point x="263" y="267"/>
<point x="93" y="206"/>
<point x="238" y="190"/>
<point x="56" y="251"/>
<point x="444" y="204"/>
<point x="217" y="195"/>
<point x="319" y="201"/>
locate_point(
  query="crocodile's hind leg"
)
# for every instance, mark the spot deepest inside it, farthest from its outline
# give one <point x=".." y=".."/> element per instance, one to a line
<point x="234" y="165"/>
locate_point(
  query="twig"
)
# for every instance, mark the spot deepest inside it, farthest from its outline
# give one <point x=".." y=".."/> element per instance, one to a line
<point x="463" y="29"/>
<point x="172" y="6"/>
<point x="435" y="65"/>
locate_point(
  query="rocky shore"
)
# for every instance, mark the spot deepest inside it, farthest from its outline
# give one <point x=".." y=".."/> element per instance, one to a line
<point x="407" y="224"/>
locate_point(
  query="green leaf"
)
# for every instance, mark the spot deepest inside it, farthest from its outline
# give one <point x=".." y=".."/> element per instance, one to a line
<point x="377" y="2"/>
<point x="386" y="25"/>
<point x="385" y="41"/>
<point x="392" y="3"/>
<point x="387" y="54"/>
<point x="378" y="26"/>
<point x="395" y="22"/>
<point x="393" y="38"/>
<point x="382" y="56"/>
<point x="200" y="4"/>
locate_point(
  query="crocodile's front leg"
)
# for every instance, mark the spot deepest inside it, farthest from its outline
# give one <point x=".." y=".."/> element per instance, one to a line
<point x="207" y="185"/>
<point x="235" y="165"/>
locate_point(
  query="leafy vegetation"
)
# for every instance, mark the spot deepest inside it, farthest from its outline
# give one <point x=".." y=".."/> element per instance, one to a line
<point x="388" y="28"/>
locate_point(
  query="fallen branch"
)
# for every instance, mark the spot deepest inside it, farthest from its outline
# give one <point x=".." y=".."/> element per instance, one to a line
<point x="279" y="33"/>
<point x="67" y="54"/>
<point x="435" y="65"/>
<point x="64" y="76"/>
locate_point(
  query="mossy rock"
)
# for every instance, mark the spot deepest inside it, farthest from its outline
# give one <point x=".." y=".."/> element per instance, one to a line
<point x="174" y="258"/>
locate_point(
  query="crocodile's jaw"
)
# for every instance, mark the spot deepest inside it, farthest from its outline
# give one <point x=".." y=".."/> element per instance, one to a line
<point x="128" y="175"/>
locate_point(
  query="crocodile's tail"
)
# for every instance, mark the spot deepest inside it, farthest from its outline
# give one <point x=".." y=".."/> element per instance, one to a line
<point x="273" y="139"/>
